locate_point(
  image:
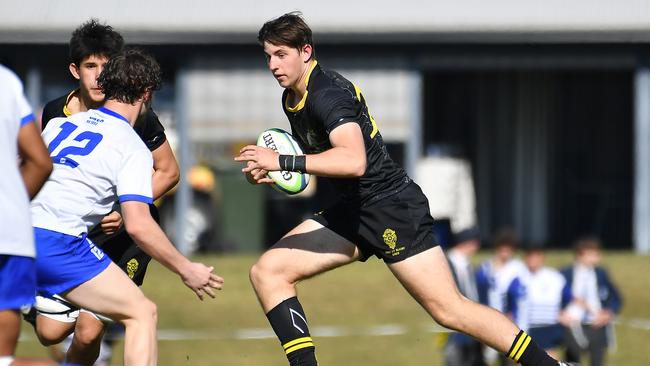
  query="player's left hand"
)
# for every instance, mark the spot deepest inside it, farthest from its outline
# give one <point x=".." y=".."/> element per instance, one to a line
<point x="258" y="157"/>
<point x="111" y="223"/>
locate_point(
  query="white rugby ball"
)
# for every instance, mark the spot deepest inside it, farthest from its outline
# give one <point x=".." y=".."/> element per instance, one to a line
<point x="282" y="142"/>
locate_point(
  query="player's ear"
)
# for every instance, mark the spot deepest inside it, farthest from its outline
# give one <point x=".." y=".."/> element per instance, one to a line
<point x="306" y="52"/>
<point x="147" y="97"/>
<point x="74" y="70"/>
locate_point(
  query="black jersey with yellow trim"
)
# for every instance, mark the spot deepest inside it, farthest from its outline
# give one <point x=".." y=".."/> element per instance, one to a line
<point x="330" y="101"/>
<point x="148" y="127"/>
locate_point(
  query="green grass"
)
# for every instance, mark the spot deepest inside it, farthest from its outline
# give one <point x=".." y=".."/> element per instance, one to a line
<point x="356" y="297"/>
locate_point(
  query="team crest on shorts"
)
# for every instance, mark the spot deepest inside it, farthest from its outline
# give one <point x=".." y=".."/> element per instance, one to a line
<point x="390" y="238"/>
<point x="132" y="267"/>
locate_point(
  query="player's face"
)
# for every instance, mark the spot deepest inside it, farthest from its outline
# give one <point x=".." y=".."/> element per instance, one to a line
<point x="288" y="65"/>
<point x="87" y="73"/>
<point x="534" y="260"/>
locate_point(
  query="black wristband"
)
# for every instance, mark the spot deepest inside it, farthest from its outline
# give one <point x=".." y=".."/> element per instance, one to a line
<point x="300" y="164"/>
<point x="284" y="161"/>
<point x="293" y="163"/>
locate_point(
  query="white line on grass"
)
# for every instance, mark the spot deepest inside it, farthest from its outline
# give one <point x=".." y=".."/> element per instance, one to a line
<point x="323" y="331"/>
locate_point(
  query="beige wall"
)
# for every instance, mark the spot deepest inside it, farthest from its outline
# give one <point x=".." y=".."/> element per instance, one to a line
<point x="52" y="20"/>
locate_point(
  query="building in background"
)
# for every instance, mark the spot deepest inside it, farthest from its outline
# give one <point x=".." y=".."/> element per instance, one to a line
<point x="550" y="101"/>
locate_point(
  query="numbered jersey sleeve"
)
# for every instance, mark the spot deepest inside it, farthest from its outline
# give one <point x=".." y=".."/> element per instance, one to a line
<point x="134" y="178"/>
<point x="334" y="107"/>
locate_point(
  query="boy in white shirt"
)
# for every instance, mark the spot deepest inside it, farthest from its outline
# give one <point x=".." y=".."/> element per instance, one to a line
<point x="99" y="158"/>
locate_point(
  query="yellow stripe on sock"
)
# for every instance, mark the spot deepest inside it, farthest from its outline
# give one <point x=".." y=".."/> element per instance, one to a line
<point x="521" y="339"/>
<point x="296" y="341"/>
<point x="522" y="349"/>
<point x="299" y="346"/>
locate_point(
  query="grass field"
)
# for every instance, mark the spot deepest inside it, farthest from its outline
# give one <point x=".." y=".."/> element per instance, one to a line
<point x="346" y="307"/>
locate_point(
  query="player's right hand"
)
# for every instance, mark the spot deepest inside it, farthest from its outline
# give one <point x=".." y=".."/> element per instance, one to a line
<point x="111" y="223"/>
<point x="200" y="279"/>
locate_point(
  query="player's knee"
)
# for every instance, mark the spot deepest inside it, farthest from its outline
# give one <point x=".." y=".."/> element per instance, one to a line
<point x="150" y="310"/>
<point x="445" y="318"/>
<point x="50" y="336"/>
<point x="86" y="335"/>
<point x="447" y="313"/>
<point x="256" y="275"/>
<point x="265" y="272"/>
<point x="143" y="311"/>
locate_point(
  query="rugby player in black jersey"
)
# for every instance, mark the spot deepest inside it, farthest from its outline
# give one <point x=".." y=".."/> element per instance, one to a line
<point x="381" y="212"/>
<point x="91" y="46"/>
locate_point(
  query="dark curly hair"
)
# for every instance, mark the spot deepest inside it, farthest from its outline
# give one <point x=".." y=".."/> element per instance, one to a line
<point x="129" y="75"/>
<point x="94" y="38"/>
<point x="289" y="29"/>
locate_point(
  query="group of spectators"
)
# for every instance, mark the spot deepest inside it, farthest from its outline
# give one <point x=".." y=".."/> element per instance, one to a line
<point x="570" y="310"/>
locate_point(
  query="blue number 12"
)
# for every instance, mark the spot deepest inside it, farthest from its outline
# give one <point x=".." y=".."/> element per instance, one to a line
<point x="67" y="128"/>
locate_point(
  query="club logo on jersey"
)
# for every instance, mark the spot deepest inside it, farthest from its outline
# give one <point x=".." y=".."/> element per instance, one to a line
<point x="390" y="238"/>
<point x="132" y="267"/>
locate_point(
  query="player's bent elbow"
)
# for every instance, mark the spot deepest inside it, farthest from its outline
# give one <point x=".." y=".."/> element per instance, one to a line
<point x="46" y="167"/>
<point x="359" y="169"/>
<point x="135" y="230"/>
<point x="174" y="178"/>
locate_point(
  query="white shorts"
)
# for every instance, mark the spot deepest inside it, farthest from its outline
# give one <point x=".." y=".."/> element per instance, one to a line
<point x="57" y="308"/>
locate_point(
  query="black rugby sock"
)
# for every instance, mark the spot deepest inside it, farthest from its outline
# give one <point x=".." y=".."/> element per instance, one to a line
<point x="525" y="351"/>
<point x="289" y="323"/>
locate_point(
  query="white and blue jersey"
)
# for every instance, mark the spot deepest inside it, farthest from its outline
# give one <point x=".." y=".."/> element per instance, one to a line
<point x="98" y="159"/>
<point x="17" y="269"/>
<point x="492" y="283"/>
<point x="535" y="298"/>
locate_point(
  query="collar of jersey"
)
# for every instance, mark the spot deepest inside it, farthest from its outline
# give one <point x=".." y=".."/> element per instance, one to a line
<point x="112" y="113"/>
<point x="301" y="104"/>
<point x="66" y="111"/>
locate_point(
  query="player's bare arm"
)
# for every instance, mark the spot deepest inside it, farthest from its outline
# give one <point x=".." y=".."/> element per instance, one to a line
<point x="347" y="146"/>
<point x="148" y="235"/>
<point x="165" y="176"/>
<point x="36" y="164"/>
<point x="166" y="172"/>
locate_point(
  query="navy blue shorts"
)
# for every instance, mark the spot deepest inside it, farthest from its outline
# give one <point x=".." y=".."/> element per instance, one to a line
<point x="548" y="336"/>
<point x="65" y="261"/>
<point x="17" y="282"/>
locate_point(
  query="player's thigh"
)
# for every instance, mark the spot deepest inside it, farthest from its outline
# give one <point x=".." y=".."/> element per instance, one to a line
<point x="110" y="293"/>
<point x="307" y="250"/>
<point x="427" y="277"/>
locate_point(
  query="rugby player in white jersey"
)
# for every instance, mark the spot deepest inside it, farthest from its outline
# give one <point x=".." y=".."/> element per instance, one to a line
<point x="98" y="159"/>
<point x="18" y="137"/>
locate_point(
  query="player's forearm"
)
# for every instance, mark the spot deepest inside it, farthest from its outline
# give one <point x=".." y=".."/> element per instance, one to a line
<point x="163" y="180"/>
<point x="153" y="241"/>
<point x="35" y="174"/>
<point x="337" y="162"/>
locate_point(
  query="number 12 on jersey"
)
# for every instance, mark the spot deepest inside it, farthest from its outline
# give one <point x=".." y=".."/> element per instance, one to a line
<point x="63" y="157"/>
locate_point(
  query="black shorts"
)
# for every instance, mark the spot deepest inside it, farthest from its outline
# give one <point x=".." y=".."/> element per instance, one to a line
<point x="123" y="251"/>
<point x="393" y="228"/>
